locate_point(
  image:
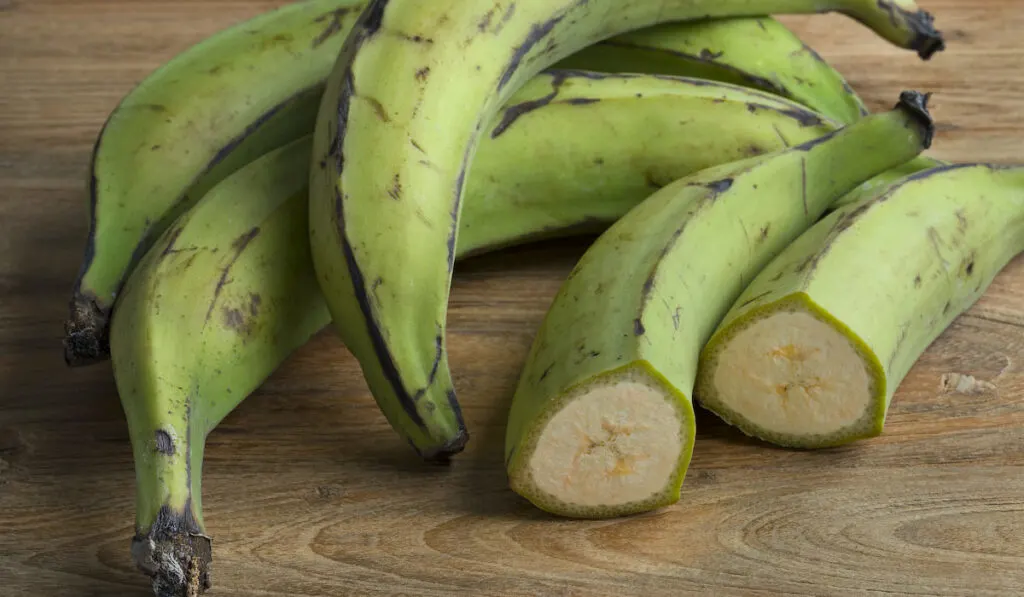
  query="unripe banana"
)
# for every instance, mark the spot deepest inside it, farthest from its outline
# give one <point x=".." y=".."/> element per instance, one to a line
<point x="202" y="320"/>
<point x="228" y="292"/>
<point x="770" y="57"/>
<point x="255" y="86"/>
<point x="197" y="119"/>
<point x="404" y="111"/>
<point x="812" y="352"/>
<point x="643" y="132"/>
<point x="601" y="423"/>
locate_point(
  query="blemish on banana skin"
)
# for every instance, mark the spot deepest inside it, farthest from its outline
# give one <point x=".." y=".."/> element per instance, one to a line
<point x="164" y="443"/>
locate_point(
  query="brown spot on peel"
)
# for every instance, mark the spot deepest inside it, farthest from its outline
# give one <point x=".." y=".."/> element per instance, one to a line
<point x="395" y="192"/>
<point x="378" y="109"/>
<point x="333" y="27"/>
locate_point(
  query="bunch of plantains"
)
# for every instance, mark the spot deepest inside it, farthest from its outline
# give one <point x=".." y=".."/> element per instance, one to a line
<point x="766" y="244"/>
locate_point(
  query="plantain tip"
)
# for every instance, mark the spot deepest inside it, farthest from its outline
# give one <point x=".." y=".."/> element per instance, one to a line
<point x="927" y="39"/>
<point x="175" y="554"/>
<point x="916" y="104"/>
<point x="178" y="564"/>
<point x="86" y="339"/>
<point x="442" y="455"/>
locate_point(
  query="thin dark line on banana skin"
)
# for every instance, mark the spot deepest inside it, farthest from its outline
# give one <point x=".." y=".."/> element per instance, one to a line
<point x="368" y="25"/>
<point x="715" y="189"/>
<point x="365" y="28"/>
<point x="512" y="113"/>
<point x="708" y="59"/>
<point x="336" y="16"/>
<point x="438" y="351"/>
<point x="239" y="245"/>
<point x="806" y="118"/>
<point x="380" y="348"/>
<point x="754" y="299"/>
<point x="538" y="33"/>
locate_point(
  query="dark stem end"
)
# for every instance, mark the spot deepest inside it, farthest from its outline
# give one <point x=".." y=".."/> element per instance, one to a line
<point x="927" y="39"/>
<point x="175" y="554"/>
<point x="916" y="104"/>
<point x="86" y="339"/>
<point x="442" y="455"/>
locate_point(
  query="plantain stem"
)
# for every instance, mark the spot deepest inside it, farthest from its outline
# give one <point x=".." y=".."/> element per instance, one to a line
<point x="175" y="554"/>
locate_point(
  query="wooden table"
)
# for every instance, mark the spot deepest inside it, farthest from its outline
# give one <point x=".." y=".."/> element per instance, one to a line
<point x="308" y="492"/>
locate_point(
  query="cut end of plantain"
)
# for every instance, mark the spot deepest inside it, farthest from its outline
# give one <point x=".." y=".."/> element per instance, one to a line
<point x="790" y="374"/>
<point x="614" y="446"/>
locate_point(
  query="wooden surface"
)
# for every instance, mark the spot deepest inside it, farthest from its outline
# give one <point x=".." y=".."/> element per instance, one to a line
<point x="307" y="492"/>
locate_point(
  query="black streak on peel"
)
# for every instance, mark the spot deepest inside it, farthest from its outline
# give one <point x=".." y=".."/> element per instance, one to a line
<point x="538" y="33"/>
<point x="512" y="113"/>
<point x="239" y="245"/>
<point x="249" y="130"/>
<point x="170" y="244"/>
<point x="371" y="19"/>
<point x="369" y="23"/>
<point x="710" y="60"/>
<point x="454" y="214"/>
<point x="380" y="348"/>
<point x="333" y="27"/>
<point x="804" y="117"/>
<point x="395" y="192"/>
<point x="438" y="351"/>
<point x="755" y="299"/>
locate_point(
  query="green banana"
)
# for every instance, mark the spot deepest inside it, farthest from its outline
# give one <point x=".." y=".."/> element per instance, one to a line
<point x="200" y="117"/>
<point x="202" y="320"/>
<point x="770" y="57"/>
<point x="812" y="352"/>
<point x="644" y="131"/>
<point x="228" y="292"/>
<point x="256" y="86"/>
<point x="403" y="114"/>
<point x="601" y="423"/>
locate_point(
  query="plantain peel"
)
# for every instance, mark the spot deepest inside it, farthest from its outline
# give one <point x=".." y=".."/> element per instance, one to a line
<point x="601" y="423"/>
<point x="403" y="115"/>
<point x="812" y="353"/>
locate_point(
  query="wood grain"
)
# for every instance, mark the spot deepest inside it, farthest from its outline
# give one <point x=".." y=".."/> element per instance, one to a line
<point x="308" y="493"/>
